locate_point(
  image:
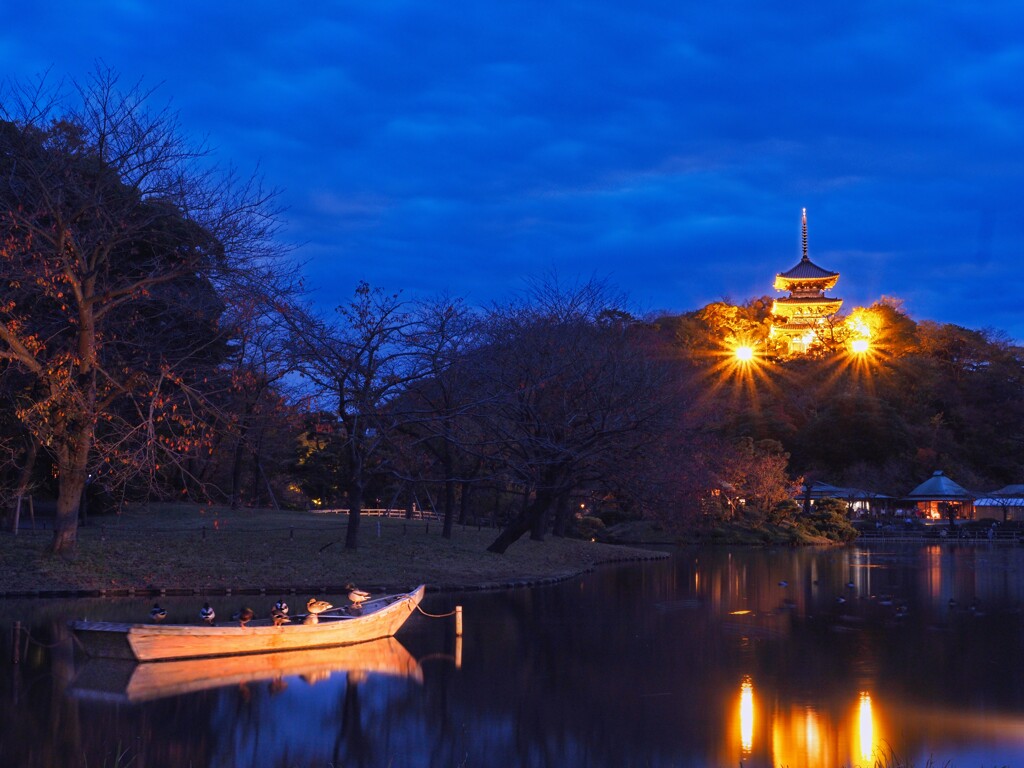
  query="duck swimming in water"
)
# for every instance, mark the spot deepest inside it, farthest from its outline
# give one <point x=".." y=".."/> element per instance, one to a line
<point x="244" y="616"/>
<point x="207" y="614"/>
<point x="157" y="614"/>
<point x="281" y="606"/>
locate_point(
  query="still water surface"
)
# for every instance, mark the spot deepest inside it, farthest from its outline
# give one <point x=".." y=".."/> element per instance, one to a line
<point x="723" y="657"/>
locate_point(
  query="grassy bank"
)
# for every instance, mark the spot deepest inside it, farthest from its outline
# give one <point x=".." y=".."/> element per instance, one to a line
<point x="733" y="533"/>
<point x="190" y="548"/>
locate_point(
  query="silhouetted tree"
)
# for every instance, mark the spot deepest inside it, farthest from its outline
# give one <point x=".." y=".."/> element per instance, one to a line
<point x="568" y="384"/>
<point x="359" y="361"/>
<point x="114" y="240"/>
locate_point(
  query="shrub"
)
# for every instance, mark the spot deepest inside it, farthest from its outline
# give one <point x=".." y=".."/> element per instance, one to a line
<point x="828" y="518"/>
<point x="588" y="527"/>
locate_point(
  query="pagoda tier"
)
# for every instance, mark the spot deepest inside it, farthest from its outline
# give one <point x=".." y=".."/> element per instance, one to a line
<point x="807" y="307"/>
<point x="806" y="276"/>
<point x="796" y="316"/>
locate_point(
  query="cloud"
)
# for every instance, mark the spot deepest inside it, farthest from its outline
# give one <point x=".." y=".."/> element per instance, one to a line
<point x="670" y="146"/>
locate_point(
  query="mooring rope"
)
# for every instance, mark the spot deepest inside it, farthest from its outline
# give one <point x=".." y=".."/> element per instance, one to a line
<point x="29" y="638"/>
<point x="436" y="615"/>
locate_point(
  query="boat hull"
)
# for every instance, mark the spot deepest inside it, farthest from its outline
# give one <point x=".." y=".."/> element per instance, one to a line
<point x="159" y="642"/>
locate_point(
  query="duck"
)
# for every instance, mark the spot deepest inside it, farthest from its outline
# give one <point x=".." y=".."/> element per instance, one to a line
<point x="207" y="614"/>
<point x="157" y="614"/>
<point x="315" y="606"/>
<point x="281" y="606"/>
<point x="356" y="596"/>
<point x="280" y="617"/>
<point x="244" y="616"/>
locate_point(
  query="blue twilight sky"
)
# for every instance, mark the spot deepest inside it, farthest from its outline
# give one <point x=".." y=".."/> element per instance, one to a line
<point x="666" y="146"/>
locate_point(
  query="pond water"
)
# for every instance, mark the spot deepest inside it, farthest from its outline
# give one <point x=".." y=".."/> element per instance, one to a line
<point x="716" y="657"/>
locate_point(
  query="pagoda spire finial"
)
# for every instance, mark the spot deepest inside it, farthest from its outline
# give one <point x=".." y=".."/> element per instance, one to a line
<point x="803" y="227"/>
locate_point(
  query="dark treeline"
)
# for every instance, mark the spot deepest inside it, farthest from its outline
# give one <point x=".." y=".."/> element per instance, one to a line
<point x="925" y="396"/>
<point x="152" y="347"/>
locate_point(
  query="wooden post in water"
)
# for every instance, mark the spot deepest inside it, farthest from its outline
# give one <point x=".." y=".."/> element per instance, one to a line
<point x="458" y="621"/>
<point x="16" y="643"/>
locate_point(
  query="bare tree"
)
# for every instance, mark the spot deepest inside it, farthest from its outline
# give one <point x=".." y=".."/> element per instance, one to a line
<point x="260" y="361"/>
<point x="116" y="237"/>
<point x="434" y="413"/>
<point x="570" y="385"/>
<point x="359" y="361"/>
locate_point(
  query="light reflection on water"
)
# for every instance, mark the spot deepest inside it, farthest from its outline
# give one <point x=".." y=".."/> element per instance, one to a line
<point x="800" y="736"/>
<point x="755" y="657"/>
<point x="747" y="716"/>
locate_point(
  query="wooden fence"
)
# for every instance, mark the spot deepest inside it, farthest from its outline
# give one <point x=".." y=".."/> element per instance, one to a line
<point x="944" y="535"/>
<point x="417" y="514"/>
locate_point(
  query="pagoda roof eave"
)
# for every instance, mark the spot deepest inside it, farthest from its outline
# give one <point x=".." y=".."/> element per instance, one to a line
<point x="807" y="270"/>
<point x="807" y="300"/>
<point x="783" y="283"/>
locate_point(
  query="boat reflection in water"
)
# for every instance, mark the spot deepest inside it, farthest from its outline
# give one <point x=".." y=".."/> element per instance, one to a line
<point x="127" y="681"/>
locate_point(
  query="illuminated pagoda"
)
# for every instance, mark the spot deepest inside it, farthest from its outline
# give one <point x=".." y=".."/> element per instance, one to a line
<point x="799" y="316"/>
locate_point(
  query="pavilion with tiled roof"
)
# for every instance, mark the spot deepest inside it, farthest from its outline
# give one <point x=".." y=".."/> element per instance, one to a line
<point x="939" y="493"/>
<point x="860" y="501"/>
<point x="798" y="317"/>
<point x="1006" y="503"/>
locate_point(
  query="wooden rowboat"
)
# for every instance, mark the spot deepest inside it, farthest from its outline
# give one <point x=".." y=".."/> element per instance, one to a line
<point x="120" y="680"/>
<point x="381" y="617"/>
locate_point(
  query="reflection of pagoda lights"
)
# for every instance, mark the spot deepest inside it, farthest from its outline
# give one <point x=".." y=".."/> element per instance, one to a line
<point x="866" y="727"/>
<point x="812" y="732"/>
<point x="747" y="715"/>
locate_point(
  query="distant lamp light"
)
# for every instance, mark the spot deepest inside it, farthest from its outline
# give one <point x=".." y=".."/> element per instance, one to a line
<point x="860" y="346"/>
<point x="744" y="353"/>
